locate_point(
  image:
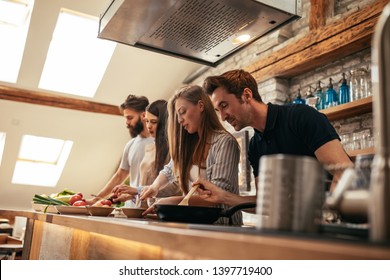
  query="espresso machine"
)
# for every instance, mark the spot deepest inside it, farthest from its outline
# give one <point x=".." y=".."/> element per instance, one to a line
<point x="379" y="197"/>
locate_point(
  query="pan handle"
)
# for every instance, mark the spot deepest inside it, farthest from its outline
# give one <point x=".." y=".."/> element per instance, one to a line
<point x="230" y="211"/>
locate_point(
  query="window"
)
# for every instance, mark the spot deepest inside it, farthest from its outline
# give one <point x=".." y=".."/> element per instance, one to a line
<point x="2" y="144"/>
<point x="14" y="23"/>
<point x="41" y="161"/>
<point x="77" y="59"/>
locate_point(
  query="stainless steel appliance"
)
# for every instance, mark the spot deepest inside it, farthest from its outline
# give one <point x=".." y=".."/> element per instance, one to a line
<point x="204" y="31"/>
<point x="290" y="195"/>
<point x="379" y="205"/>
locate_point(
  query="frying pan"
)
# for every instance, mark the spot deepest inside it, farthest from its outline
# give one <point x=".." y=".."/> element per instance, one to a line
<point x="196" y="214"/>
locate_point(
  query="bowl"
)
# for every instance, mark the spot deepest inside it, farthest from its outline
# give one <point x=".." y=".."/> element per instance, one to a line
<point x="99" y="211"/>
<point x="133" y="212"/>
<point x="72" y="210"/>
<point x="41" y="208"/>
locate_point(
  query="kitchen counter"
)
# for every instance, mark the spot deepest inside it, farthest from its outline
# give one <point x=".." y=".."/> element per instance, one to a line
<point x="55" y="236"/>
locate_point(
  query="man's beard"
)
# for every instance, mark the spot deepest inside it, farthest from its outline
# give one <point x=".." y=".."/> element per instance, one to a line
<point x="137" y="129"/>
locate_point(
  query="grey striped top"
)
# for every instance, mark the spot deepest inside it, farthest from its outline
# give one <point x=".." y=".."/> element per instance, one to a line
<point x="221" y="168"/>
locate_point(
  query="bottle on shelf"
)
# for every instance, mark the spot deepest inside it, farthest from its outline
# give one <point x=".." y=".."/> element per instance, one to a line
<point x="311" y="100"/>
<point x="344" y="91"/>
<point x="299" y="99"/>
<point x="320" y="97"/>
<point x="288" y="99"/>
<point x="331" y="98"/>
<point x="358" y="84"/>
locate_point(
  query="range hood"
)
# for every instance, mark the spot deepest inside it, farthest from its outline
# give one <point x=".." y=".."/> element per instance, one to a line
<point x="203" y="31"/>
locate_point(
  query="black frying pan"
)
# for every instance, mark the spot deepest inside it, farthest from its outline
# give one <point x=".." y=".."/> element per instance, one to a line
<point x="196" y="214"/>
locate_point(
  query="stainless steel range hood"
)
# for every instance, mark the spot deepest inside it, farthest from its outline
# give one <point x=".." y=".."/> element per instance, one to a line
<point x="204" y="31"/>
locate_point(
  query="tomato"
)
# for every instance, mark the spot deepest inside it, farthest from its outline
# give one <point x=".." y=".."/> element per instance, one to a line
<point x="106" y="202"/>
<point x="75" y="198"/>
<point x="80" y="194"/>
<point x="79" y="203"/>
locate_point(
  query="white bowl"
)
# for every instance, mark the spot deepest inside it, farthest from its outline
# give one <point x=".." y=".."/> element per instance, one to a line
<point x="41" y="208"/>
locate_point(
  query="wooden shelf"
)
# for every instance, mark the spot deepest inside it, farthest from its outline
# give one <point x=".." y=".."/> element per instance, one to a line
<point x="350" y="34"/>
<point x="350" y="109"/>
<point x="367" y="151"/>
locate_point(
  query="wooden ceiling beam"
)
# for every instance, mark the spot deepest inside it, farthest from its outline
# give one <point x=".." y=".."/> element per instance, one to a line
<point x="320" y="10"/>
<point x="40" y="98"/>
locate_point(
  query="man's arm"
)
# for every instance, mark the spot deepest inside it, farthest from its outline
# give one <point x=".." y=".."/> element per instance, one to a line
<point x="118" y="178"/>
<point x="332" y="153"/>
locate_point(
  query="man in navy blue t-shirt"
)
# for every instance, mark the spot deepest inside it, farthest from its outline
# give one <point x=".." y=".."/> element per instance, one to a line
<point x="278" y="129"/>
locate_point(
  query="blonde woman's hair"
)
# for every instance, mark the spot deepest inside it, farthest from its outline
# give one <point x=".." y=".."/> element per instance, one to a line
<point x="188" y="149"/>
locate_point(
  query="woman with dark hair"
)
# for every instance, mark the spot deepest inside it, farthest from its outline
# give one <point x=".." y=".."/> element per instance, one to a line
<point x="157" y="154"/>
<point x="200" y="147"/>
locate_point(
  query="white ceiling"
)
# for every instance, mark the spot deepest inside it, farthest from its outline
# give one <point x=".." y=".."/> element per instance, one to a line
<point x="98" y="138"/>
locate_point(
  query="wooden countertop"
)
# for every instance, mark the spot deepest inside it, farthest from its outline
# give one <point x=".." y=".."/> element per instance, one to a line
<point x="195" y="243"/>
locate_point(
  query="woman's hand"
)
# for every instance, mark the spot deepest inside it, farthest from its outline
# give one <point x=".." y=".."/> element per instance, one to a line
<point x="123" y="193"/>
<point x="210" y="192"/>
<point x="148" y="191"/>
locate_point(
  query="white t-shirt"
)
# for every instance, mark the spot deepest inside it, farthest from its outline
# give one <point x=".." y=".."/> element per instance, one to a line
<point x="196" y="173"/>
<point x="132" y="157"/>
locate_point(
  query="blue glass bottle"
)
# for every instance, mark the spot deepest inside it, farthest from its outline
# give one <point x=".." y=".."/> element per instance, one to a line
<point x="331" y="98"/>
<point x="320" y="97"/>
<point x="299" y="99"/>
<point x="344" y="91"/>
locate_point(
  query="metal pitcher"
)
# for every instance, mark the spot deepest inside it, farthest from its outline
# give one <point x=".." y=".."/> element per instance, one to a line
<point x="290" y="193"/>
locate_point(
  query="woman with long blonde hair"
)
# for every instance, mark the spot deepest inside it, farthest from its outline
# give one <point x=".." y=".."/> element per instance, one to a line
<point x="200" y="147"/>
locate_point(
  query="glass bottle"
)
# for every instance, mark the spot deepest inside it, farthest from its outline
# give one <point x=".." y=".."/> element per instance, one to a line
<point x="311" y="100"/>
<point x="320" y="97"/>
<point x="343" y="91"/>
<point x="358" y="84"/>
<point x="331" y="98"/>
<point x="299" y="99"/>
<point x="288" y="99"/>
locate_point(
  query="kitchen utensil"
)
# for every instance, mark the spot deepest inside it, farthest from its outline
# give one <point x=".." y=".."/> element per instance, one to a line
<point x="99" y="211"/>
<point x="133" y="212"/>
<point x="290" y="194"/>
<point x="196" y="214"/>
<point x="137" y="201"/>
<point x="72" y="210"/>
<point x="188" y="195"/>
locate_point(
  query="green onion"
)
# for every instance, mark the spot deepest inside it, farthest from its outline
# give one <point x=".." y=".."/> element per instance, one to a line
<point x="48" y="200"/>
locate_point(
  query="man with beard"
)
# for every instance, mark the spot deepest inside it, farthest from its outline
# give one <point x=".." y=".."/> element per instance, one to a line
<point x="133" y="110"/>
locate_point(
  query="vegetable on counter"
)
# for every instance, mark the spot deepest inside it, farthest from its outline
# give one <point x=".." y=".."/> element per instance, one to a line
<point x="65" y="192"/>
<point x="47" y="200"/>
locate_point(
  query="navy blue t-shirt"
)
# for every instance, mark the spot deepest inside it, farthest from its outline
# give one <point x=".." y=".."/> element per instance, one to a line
<point x="294" y="129"/>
